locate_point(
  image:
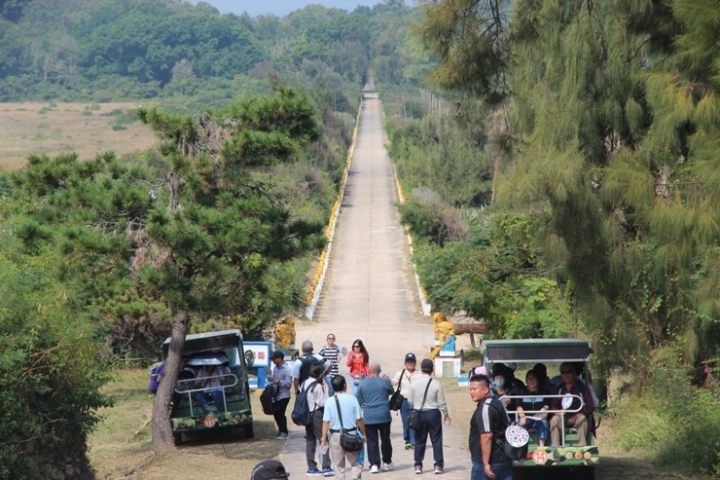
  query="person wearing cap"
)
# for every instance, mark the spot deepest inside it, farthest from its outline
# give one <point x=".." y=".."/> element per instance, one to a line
<point x="372" y="395"/>
<point x="433" y="408"/>
<point x="269" y="470"/>
<point x="404" y="378"/>
<point x="316" y="397"/>
<point x="347" y="406"/>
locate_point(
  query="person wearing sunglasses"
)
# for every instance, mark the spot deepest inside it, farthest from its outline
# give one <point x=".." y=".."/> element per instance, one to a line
<point x="571" y="385"/>
<point x="359" y="363"/>
<point x="330" y="352"/>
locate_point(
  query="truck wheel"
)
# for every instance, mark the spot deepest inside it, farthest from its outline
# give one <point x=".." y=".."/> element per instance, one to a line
<point x="249" y="431"/>
<point x="178" y="439"/>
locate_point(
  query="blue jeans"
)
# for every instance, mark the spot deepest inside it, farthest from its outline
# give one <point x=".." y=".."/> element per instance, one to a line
<point x="542" y="427"/>
<point x="352" y="383"/>
<point x="408" y="433"/>
<point x="216" y="395"/>
<point x="502" y="471"/>
<point x="328" y="382"/>
<point x="430" y="424"/>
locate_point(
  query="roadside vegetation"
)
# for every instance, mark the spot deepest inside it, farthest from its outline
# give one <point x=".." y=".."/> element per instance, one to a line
<point x="594" y="211"/>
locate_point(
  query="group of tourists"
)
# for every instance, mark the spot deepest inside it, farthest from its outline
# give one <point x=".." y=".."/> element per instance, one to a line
<point x="540" y="396"/>
<point x="350" y="417"/>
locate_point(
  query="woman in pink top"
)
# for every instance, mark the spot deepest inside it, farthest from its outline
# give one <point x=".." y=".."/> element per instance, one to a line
<point x="359" y="363"/>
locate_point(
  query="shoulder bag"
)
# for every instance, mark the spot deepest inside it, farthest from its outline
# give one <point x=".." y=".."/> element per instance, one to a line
<point x="350" y="441"/>
<point x="414" y="415"/>
<point x="396" y="399"/>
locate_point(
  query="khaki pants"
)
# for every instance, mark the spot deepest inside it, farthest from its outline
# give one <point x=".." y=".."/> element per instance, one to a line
<point x="578" y="421"/>
<point x="342" y="459"/>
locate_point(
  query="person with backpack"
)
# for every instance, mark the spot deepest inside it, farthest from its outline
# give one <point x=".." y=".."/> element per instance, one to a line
<point x="487" y="433"/>
<point x="301" y="368"/>
<point x="281" y="376"/>
<point x="157" y="371"/>
<point x="316" y="398"/>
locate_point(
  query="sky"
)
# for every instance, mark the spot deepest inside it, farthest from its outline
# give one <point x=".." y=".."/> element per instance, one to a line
<point x="281" y="7"/>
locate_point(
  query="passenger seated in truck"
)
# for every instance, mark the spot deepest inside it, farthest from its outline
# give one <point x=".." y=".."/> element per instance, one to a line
<point x="503" y="387"/>
<point x="538" y="419"/>
<point x="211" y="378"/>
<point x="580" y="420"/>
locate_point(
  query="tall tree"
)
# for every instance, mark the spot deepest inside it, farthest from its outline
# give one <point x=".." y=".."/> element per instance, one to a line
<point x="198" y="241"/>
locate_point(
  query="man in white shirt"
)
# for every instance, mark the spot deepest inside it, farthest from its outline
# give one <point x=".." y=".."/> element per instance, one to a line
<point x="427" y="396"/>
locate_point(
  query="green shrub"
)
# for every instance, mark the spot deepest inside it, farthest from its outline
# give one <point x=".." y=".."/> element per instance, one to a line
<point x="672" y="419"/>
<point x="50" y="375"/>
<point x="117" y="127"/>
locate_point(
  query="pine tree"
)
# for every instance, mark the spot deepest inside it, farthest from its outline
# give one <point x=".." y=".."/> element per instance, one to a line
<point x="197" y="241"/>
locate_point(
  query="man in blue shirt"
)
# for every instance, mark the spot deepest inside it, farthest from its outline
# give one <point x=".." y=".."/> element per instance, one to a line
<point x="373" y="394"/>
<point x="351" y="421"/>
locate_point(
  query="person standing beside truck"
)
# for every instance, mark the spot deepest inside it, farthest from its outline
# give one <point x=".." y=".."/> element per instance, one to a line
<point x="487" y="426"/>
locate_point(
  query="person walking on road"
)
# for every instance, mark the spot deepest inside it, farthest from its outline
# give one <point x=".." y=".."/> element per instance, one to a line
<point x="487" y="424"/>
<point x="347" y="406"/>
<point x="404" y="379"/>
<point x="301" y="368"/>
<point x="282" y="378"/>
<point x="317" y="397"/>
<point x="330" y="352"/>
<point x="372" y="395"/>
<point x="359" y="363"/>
<point x="427" y="396"/>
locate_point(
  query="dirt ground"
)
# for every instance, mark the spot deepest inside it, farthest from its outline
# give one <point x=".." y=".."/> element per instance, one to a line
<point x="49" y="128"/>
<point x="121" y="445"/>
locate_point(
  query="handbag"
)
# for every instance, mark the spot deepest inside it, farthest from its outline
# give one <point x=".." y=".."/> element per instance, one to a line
<point x="396" y="399"/>
<point x="350" y="441"/>
<point x="414" y="415"/>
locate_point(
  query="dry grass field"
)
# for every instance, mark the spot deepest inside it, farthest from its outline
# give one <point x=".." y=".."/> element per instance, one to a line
<point x="49" y="128"/>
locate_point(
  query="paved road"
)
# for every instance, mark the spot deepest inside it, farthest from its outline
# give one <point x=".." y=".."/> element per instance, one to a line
<point x="369" y="293"/>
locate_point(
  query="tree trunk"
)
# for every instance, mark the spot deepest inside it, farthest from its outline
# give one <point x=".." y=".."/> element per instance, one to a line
<point x="162" y="436"/>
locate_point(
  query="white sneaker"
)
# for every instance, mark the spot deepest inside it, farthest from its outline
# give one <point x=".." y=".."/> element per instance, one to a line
<point x="388" y="466"/>
<point x="374" y="469"/>
<point x="282" y="436"/>
<point x="418" y="470"/>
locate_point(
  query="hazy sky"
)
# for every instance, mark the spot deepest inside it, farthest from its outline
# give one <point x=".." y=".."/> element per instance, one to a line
<point x="281" y="7"/>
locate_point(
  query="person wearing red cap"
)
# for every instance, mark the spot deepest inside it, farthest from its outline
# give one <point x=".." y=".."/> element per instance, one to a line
<point x="269" y="470"/>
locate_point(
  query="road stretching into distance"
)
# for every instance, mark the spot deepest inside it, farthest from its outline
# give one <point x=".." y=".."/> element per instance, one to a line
<point x="369" y="294"/>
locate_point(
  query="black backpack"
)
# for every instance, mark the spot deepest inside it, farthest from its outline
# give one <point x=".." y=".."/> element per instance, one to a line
<point x="301" y="414"/>
<point x="268" y="399"/>
<point x="306" y="362"/>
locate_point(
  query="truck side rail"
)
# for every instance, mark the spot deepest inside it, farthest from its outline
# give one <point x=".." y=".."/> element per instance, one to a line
<point x="191" y="382"/>
<point x="562" y="412"/>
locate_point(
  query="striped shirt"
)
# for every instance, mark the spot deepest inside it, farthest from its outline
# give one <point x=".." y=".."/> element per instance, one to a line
<point x="331" y="354"/>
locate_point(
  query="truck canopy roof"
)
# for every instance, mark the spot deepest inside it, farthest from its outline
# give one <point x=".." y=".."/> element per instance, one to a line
<point x="208" y="341"/>
<point x="536" y="350"/>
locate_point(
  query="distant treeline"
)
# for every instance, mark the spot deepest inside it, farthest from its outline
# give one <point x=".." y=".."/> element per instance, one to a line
<point x="105" y="50"/>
